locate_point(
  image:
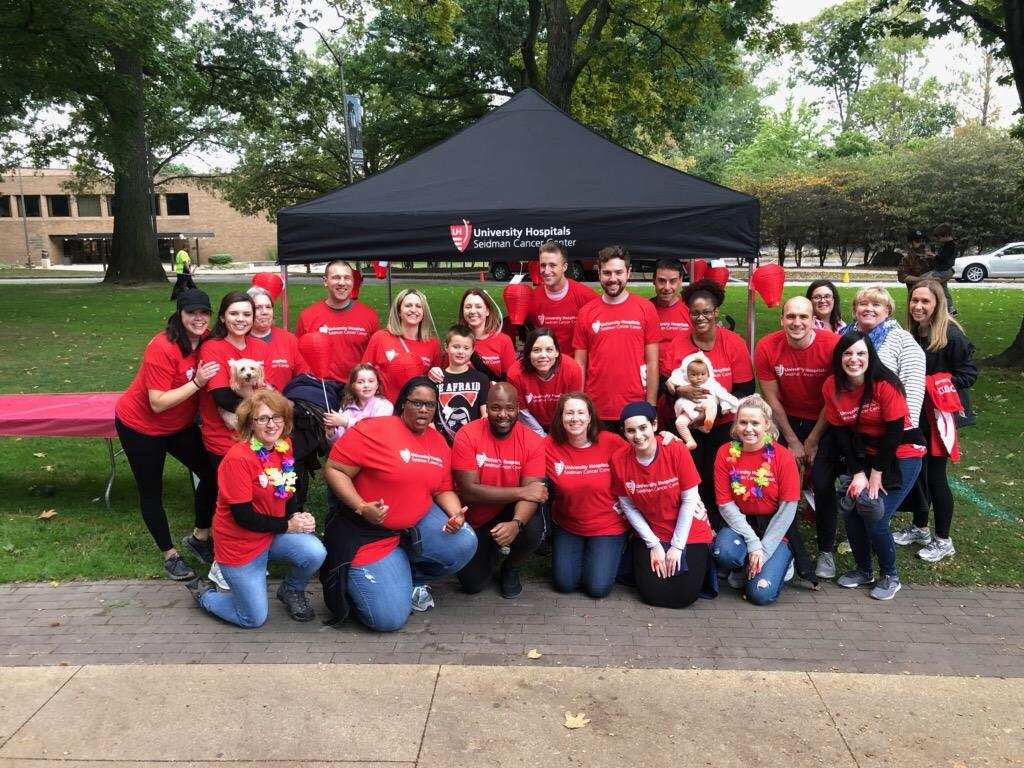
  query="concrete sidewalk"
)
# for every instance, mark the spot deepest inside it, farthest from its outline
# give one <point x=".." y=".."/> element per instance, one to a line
<point x="451" y="716"/>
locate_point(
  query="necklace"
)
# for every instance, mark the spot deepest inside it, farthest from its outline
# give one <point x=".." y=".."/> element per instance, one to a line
<point x="282" y="479"/>
<point x="762" y="476"/>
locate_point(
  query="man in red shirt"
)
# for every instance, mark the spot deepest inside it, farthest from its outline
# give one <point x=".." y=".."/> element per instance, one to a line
<point x="674" y="320"/>
<point x="498" y="466"/>
<point x="616" y="342"/>
<point x="347" y="322"/>
<point x="792" y="365"/>
<point x="557" y="300"/>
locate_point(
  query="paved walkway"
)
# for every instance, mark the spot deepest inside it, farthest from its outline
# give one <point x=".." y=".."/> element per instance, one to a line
<point x="925" y="630"/>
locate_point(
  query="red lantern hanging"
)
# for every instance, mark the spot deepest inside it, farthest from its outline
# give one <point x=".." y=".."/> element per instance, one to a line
<point x="380" y="269"/>
<point x="316" y="351"/>
<point x="700" y="269"/>
<point x="768" y="280"/>
<point x="271" y="282"/>
<point x="718" y="273"/>
<point x="357" y="281"/>
<point x="534" y="269"/>
<point x="517" y="298"/>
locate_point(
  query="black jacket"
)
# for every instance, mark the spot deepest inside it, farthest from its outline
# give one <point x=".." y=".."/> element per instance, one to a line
<point x="956" y="358"/>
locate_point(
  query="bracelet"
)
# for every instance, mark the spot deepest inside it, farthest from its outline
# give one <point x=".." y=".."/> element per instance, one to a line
<point x="519" y="522"/>
<point x="198" y="385"/>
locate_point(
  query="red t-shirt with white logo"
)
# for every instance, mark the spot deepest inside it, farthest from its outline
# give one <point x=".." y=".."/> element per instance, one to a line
<point x="539" y="396"/>
<point x="584" y="504"/>
<point x="404" y="469"/>
<point x="783" y="485"/>
<point x="163" y="368"/>
<point x="284" y="360"/>
<point x="614" y="336"/>
<point x="799" y="373"/>
<point x="241" y="478"/>
<point x="886" y="404"/>
<point x="217" y="438"/>
<point x="497" y="351"/>
<point x="728" y="356"/>
<point x="657" y="489"/>
<point x="350" y="330"/>
<point x="500" y="462"/>
<point x="559" y="316"/>
<point x="400" y="359"/>
<point x="674" y="322"/>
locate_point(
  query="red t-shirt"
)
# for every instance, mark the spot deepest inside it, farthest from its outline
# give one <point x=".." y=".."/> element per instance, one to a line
<point x="614" y="336"/>
<point x="497" y="351"/>
<point x="404" y="469"/>
<point x="674" y="322"/>
<point x="350" y="330"/>
<point x="728" y="356"/>
<point x="657" y="490"/>
<point x="540" y="397"/>
<point x="784" y="484"/>
<point x="559" y="316"/>
<point x="217" y="438"/>
<point x="163" y="368"/>
<point x="400" y="359"/>
<point x="584" y="503"/>
<point x="798" y="372"/>
<point x="501" y="462"/>
<point x="886" y="404"/>
<point x="241" y="478"/>
<point x="284" y="360"/>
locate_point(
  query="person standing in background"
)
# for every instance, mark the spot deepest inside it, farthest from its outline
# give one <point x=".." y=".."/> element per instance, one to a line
<point x="182" y="272"/>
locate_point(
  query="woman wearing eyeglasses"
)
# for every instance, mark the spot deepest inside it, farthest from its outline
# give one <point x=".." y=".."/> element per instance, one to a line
<point x="393" y="477"/>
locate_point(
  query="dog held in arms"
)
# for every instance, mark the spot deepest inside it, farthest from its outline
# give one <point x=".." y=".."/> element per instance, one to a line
<point x="246" y="377"/>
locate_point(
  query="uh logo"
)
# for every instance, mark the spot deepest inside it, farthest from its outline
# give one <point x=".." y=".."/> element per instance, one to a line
<point x="462" y="234"/>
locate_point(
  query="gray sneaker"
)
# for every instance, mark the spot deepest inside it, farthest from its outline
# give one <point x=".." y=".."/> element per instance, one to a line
<point x="854" y="579"/>
<point x="422" y="600"/>
<point x="826" y="568"/>
<point x="886" y="588"/>
<point x="912" y="535"/>
<point x="737" y="579"/>
<point x="936" y="550"/>
<point x="176" y="568"/>
<point x="297" y="603"/>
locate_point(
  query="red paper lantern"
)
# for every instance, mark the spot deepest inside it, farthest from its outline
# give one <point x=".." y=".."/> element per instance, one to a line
<point x="768" y="280"/>
<point x="357" y="281"/>
<point x="316" y="351"/>
<point x="517" y="298"/>
<point x="700" y="269"/>
<point x="380" y="269"/>
<point x="534" y="269"/>
<point x="271" y="282"/>
<point x="719" y="275"/>
<point x="404" y="367"/>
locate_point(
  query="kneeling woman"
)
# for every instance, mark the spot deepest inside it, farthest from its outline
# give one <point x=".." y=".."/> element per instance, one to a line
<point x="757" y="486"/>
<point x="656" y="484"/>
<point x="253" y="522"/>
<point x="392" y="474"/>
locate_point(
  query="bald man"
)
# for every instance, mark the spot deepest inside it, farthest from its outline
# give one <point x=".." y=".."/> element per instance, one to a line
<point x="792" y="365"/>
<point x="498" y="466"/>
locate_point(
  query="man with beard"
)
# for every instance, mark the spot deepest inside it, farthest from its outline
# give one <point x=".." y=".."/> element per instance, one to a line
<point x="673" y="319"/>
<point x="557" y="300"/>
<point x="616" y="342"/>
<point x="498" y="466"/>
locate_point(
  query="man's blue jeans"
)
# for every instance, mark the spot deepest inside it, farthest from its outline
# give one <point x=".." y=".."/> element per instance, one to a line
<point x="731" y="552"/>
<point x="590" y="562"/>
<point x="866" y="537"/>
<point x="381" y="592"/>
<point x="246" y="603"/>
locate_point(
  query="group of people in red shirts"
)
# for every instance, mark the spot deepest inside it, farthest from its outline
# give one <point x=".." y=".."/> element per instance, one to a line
<point x="464" y="459"/>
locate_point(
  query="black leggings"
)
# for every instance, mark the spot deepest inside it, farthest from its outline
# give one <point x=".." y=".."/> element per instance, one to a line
<point x="703" y="455"/>
<point x="934" y="471"/>
<point x="478" y="572"/>
<point x="146" y="456"/>
<point x="677" y="591"/>
<point x="823" y="480"/>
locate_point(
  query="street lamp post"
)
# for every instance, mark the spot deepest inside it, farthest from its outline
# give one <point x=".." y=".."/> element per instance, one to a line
<point x="344" y="95"/>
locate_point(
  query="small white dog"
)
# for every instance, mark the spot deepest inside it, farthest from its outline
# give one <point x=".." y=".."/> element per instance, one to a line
<point x="246" y="377"/>
<point x="696" y="371"/>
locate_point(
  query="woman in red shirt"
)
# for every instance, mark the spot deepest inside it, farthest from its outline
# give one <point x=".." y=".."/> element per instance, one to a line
<point x="392" y="475"/>
<point x="542" y="376"/>
<point x="156" y="416"/>
<point x="656" y="484"/>
<point x="408" y="346"/>
<point x="757" y="485"/>
<point x="257" y="520"/>
<point x="494" y="353"/>
<point x="284" y="360"/>
<point x="589" y="533"/>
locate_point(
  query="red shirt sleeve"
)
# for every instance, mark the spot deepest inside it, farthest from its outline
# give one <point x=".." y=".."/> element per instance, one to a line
<point x="159" y="365"/>
<point x="685" y="468"/>
<point x="742" y="370"/>
<point x="892" y="404"/>
<point x="580" y="334"/>
<point x="299" y="364"/>
<point x="350" y="449"/>
<point x="652" y="323"/>
<point x="370" y="353"/>
<point x="618" y="489"/>
<point x="463" y="452"/>
<point x="533" y="465"/>
<point x="235" y="478"/>
<point x="216" y="353"/>
<point x="573" y="374"/>
<point x="788" y="477"/>
<point x="723" y="486"/>
<point x="831" y="409"/>
<point x="507" y="353"/>
<point x="763" y="362"/>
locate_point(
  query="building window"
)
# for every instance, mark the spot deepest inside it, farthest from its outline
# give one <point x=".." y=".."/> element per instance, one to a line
<point x="111" y="206"/>
<point x="5" y="206"/>
<point x="58" y="205"/>
<point x="177" y="204"/>
<point x="88" y="205"/>
<point x="31" y="208"/>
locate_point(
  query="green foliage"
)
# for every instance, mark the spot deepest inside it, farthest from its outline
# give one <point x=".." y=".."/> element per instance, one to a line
<point x="220" y="259"/>
<point x="785" y="141"/>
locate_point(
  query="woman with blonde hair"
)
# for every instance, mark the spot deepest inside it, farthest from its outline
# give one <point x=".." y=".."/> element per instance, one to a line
<point x="757" y="487"/>
<point x="948" y="354"/>
<point x="407" y="347"/>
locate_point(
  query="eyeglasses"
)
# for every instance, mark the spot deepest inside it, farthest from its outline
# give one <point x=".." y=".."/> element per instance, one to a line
<point x="264" y="420"/>
<point x="422" y="405"/>
<point x="703" y="313"/>
<point x="827" y="297"/>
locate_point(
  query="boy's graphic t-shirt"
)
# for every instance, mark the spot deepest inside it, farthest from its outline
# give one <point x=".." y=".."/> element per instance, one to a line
<point x="460" y="396"/>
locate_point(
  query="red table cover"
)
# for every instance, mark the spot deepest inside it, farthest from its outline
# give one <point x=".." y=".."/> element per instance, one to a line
<point x="77" y="414"/>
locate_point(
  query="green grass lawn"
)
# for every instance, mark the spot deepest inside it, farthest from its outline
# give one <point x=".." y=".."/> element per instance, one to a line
<point x="90" y="338"/>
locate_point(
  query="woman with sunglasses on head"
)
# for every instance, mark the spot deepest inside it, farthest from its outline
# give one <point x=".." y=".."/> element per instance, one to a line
<point x="825" y="299"/>
<point x="493" y="353"/>
<point x="541" y="377"/>
<point x="408" y="346"/>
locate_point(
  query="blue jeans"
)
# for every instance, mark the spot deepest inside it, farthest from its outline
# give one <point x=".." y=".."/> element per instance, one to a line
<point x="865" y="537"/>
<point x="381" y="592"/>
<point x="731" y="552"/>
<point x="246" y="603"/>
<point x="588" y="561"/>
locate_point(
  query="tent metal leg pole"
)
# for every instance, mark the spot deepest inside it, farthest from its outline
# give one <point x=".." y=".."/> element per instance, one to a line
<point x="113" y="468"/>
<point x="284" y="297"/>
<point x="751" y="331"/>
<point x="389" y="284"/>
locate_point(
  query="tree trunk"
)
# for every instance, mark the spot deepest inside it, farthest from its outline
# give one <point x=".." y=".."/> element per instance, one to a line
<point x="134" y="257"/>
<point x="559" y="54"/>
<point x="780" y="246"/>
<point x="1012" y="356"/>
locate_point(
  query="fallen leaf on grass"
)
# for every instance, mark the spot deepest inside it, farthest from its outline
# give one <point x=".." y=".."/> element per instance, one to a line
<point x="54" y="583"/>
<point x="533" y="653"/>
<point x="46" y="514"/>
<point x="974" y="469"/>
<point x="572" y="722"/>
<point x="39" y="455"/>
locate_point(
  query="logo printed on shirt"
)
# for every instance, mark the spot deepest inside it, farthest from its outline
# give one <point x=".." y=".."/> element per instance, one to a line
<point x="596" y="325"/>
<point x="483" y="460"/>
<point x="559" y="467"/>
<point x="630" y="487"/>
<point x="540" y="320"/>
<point x="616" y="325"/>
<point x="420" y="458"/>
<point x="529" y="398"/>
<point x="390" y="355"/>
<point x="406" y="454"/>
<point x="462" y="234"/>
<point x="780" y="370"/>
<point x="191" y="372"/>
<point x="480" y="459"/>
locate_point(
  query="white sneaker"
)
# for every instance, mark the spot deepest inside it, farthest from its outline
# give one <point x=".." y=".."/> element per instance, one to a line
<point x="912" y="535"/>
<point x="217" y="577"/>
<point x="791" y="571"/>
<point x="422" y="600"/>
<point x="936" y="550"/>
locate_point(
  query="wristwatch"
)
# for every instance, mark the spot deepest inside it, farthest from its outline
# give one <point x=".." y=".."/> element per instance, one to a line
<point x="519" y="522"/>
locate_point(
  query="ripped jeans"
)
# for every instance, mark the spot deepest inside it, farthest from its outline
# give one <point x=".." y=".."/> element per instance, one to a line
<point x="731" y="552"/>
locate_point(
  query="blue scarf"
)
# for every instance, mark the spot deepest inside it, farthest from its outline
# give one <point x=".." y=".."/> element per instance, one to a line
<point x="877" y="334"/>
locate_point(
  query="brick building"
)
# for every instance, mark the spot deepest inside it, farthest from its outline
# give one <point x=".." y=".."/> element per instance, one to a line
<point x="76" y="228"/>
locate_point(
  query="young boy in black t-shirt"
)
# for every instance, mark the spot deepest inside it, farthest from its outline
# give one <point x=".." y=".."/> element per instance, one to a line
<point x="462" y="393"/>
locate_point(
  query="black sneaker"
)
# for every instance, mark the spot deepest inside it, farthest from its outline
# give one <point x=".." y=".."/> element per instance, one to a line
<point x="510" y="585"/>
<point x="199" y="587"/>
<point x="177" y="569"/>
<point x="296" y="602"/>
<point x="201" y="549"/>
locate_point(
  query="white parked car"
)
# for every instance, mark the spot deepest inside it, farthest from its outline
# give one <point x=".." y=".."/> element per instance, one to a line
<point x="1007" y="261"/>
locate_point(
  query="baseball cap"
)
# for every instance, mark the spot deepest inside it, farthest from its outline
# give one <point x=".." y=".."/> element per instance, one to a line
<point x="193" y="299"/>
